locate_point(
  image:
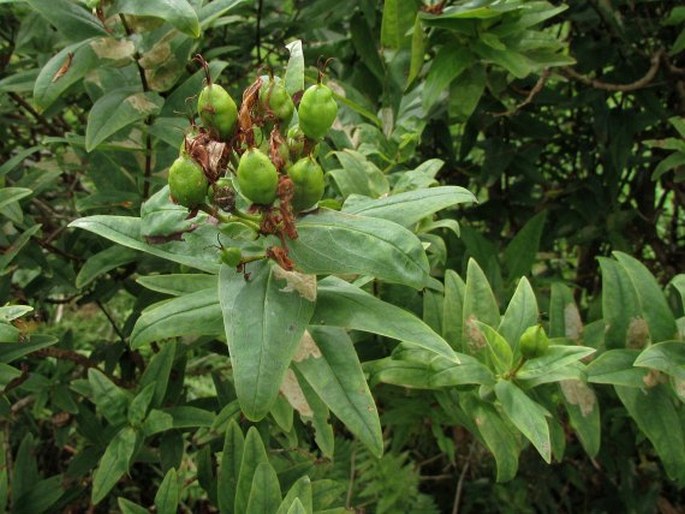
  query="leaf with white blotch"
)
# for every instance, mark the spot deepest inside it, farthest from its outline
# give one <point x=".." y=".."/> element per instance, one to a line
<point x="294" y="71"/>
<point x="70" y="18"/>
<point x="331" y="242"/>
<point x="341" y="304"/>
<point x="263" y="343"/>
<point x="332" y="368"/>
<point x="197" y="313"/>
<point x="409" y="207"/>
<point x="12" y="194"/>
<point x="114" y="463"/>
<point x="668" y="357"/>
<point x="126" y="231"/>
<point x="116" y="110"/>
<point x="179" y="13"/>
<point x="526" y="415"/>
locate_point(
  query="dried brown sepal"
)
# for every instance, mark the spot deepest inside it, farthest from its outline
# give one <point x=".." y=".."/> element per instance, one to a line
<point x="285" y="192"/>
<point x="271" y="220"/>
<point x="216" y="160"/>
<point x="196" y="147"/>
<point x="275" y="142"/>
<point x="245" y="115"/>
<point x="205" y="67"/>
<point x="280" y="255"/>
<point x="435" y="9"/>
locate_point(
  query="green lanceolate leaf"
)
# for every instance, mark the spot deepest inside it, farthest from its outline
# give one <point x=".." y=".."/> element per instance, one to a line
<point x="214" y="10"/>
<point x="521" y="252"/>
<point x="12" y="251"/>
<point x="479" y="301"/>
<point x="8" y="333"/>
<point x="128" y="507"/>
<point x="71" y="19"/>
<point x="313" y="409"/>
<point x="583" y="410"/>
<point x="41" y="497"/>
<point x="197" y="313"/>
<point x="12" y="194"/>
<point x="331" y="242"/>
<point x="302" y="490"/>
<point x="668" y="357"/>
<point x="409" y="207"/>
<point x="445" y="373"/>
<point x="13" y="351"/>
<point x="359" y="175"/>
<point x="52" y="82"/>
<point x="449" y="63"/>
<point x="521" y="313"/>
<point x="453" y="308"/>
<point x="116" y="110"/>
<point x="25" y="470"/>
<point x="655" y="413"/>
<point x="111" y="401"/>
<point x="526" y="415"/>
<point x="265" y="494"/>
<point x="178" y="284"/>
<point x="127" y="231"/>
<point x="297" y="507"/>
<point x="254" y="454"/>
<point x="490" y="347"/>
<point x="556" y="356"/>
<point x="621" y="308"/>
<point x="397" y="19"/>
<point x="616" y="367"/>
<point x="157" y="372"/>
<point x="418" y="51"/>
<point x="341" y="304"/>
<point x="497" y="434"/>
<point x="114" y="463"/>
<point x="262" y="343"/>
<point x="169" y="494"/>
<point x="229" y="468"/>
<point x="294" y="71"/>
<point x="328" y="361"/>
<point x="179" y="13"/>
<point x="102" y="262"/>
<point x="653" y="305"/>
<point x="564" y="317"/>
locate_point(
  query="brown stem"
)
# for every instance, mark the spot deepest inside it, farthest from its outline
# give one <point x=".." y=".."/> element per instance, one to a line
<point x="606" y="86"/>
<point x="533" y="92"/>
<point x="49" y="127"/>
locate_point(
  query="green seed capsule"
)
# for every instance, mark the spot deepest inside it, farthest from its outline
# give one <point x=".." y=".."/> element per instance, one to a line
<point x="231" y="256"/>
<point x="317" y="111"/>
<point x="257" y="177"/>
<point x="534" y="342"/>
<point x="274" y="98"/>
<point x="187" y="182"/>
<point x="217" y="111"/>
<point x="307" y="177"/>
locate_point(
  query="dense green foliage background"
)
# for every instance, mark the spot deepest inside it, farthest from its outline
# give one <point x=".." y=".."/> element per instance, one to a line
<point x="564" y="120"/>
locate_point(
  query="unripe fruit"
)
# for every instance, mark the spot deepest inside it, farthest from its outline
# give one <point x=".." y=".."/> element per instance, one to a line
<point x="231" y="256"/>
<point x="317" y="111"/>
<point x="307" y="177"/>
<point x="274" y="98"/>
<point x="257" y="177"/>
<point x="534" y="342"/>
<point x="217" y="111"/>
<point x="187" y="182"/>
